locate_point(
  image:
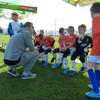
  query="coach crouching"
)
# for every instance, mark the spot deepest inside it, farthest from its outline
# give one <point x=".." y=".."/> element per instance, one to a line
<point x="16" y="53"/>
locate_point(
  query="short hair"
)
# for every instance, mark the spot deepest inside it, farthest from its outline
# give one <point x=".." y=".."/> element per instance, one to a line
<point x="95" y="7"/>
<point x="14" y="13"/>
<point x="61" y="30"/>
<point x="42" y="30"/>
<point x="27" y="24"/>
<point x="71" y="27"/>
<point x="82" y="26"/>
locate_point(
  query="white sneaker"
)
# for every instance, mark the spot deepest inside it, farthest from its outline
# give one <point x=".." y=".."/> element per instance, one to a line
<point x="29" y="76"/>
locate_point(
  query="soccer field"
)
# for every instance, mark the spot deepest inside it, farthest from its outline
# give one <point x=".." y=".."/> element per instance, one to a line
<point x="50" y="84"/>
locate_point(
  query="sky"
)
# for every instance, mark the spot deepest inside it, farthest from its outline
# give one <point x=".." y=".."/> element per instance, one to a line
<point x="53" y="14"/>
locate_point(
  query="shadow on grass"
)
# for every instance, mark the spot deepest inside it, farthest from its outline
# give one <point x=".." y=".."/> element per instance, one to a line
<point x="50" y="84"/>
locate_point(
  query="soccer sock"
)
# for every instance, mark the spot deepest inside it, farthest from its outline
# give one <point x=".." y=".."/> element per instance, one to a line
<point x="97" y="72"/>
<point x="43" y="57"/>
<point x="59" y="61"/>
<point x="54" y="58"/>
<point x="84" y="65"/>
<point x="65" y="66"/>
<point x="73" y="66"/>
<point x="46" y="58"/>
<point x="54" y="55"/>
<point x="93" y="79"/>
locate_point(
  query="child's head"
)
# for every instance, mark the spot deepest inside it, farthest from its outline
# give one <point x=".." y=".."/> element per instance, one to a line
<point x="70" y="30"/>
<point x="61" y="31"/>
<point x="42" y="31"/>
<point x="14" y="16"/>
<point x="95" y="9"/>
<point x="41" y="34"/>
<point x="82" y="29"/>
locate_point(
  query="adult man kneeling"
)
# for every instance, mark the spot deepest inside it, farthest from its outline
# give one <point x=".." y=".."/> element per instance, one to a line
<point x="16" y="53"/>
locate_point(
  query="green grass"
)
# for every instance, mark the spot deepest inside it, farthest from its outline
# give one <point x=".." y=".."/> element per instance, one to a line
<point x="4" y="38"/>
<point x="50" y="84"/>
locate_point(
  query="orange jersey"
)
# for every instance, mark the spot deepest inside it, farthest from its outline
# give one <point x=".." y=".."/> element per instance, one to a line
<point x="62" y="41"/>
<point x="71" y="39"/>
<point x="38" y="39"/>
<point x="49" y="41"/>
<point x="96" y="36"/>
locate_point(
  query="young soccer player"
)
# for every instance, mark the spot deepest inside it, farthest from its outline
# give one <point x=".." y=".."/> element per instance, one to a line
<point x="71" y="39"/>
<point x="39" y="39"/>
<point x="63" y="51"/>
<point x="48" y="46"/>
<point x="94" y="58"/>
<point x="39" y="42"/>
<point x="83" y="42"/>
<point x="45" y="44"/>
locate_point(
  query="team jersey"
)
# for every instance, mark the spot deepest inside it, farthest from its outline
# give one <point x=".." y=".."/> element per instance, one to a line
<point x="62" y="41"/>
<point x="71" y="39"/>
<point x="49" y="41"/>
<point x="83" y="45"/>
<point x="39" y="41"/>
<point x="96" y="36"/>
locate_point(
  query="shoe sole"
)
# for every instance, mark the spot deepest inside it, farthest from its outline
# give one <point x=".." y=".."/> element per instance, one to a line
<point x="93" y="98"/>
<point x="30" y="77"/>
<point x="26" y="78"/>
